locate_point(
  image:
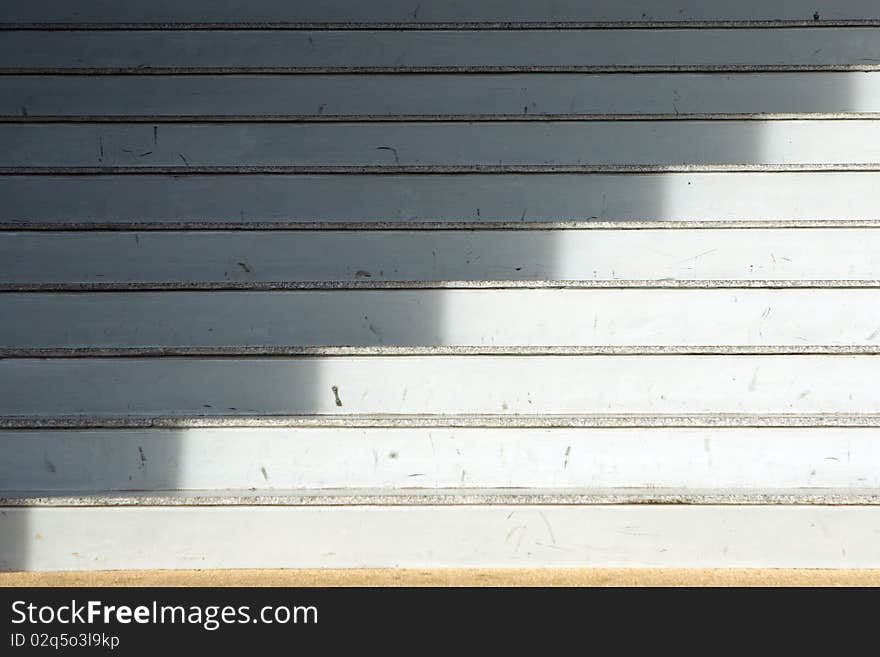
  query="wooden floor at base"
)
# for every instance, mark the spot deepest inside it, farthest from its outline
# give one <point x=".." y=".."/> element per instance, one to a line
<point x="450" y="577"/>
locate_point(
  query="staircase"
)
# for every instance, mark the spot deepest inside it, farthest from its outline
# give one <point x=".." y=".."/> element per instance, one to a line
<point x="439" y="284"/>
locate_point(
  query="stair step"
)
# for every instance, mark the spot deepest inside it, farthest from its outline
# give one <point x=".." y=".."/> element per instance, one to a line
<point x="253" y="260"/>
<point x="369" y="536"/>
<point x="348" y="202"/>
<point x="557" y="145"/>
<point x="439" y="97"/>
<point x="152" y="52"/>
<point x="401" y="13"/>
<point x="376" y="322"/>
<point x="437" y="385"/>
<point x="737" y="459"/>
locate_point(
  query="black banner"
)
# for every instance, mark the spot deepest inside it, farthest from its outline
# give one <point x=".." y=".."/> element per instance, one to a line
<point x="134" y="621"/>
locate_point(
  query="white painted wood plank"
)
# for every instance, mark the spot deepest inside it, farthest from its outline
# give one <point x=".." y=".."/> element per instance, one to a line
<point x="36" y="260"/>
<point x="436" y="537"/>
<point x="495" y="319"/>
<point x="626" y="144"/>
<point x="440" y="11"/>
<point x="501" y="385"/>
<point x="265" y="201"/>
<point x="734" y="460"/>
<point x="388" y="96"/>
<point x="147" y="52"/>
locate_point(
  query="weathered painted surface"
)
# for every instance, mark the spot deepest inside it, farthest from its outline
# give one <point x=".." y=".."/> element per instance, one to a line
<point x="404" y="12"/>
<point x="449" y="536"/>
<point x="150" y="52"/>
<point x="189" y="217"/>
<point x="782" y="319"/>
<point x="601" y="144"/>
<point x="390" y="97"/>
<point x="730" y="460"/>
<point x="378" y="201"/>
<point x="580" y="258"/>
<point x="506" y="385"/>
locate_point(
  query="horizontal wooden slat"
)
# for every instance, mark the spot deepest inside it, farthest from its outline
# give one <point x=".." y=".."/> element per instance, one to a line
<point x="200" y="322"/>
<point x="731" y="459"/>
<point x="504" y="385"/>
<point x="404" y="12"/>
<point x="617" y="144"/>
<point x="479" y="200"/>
<point x="392" y="96"/>
<point x="568" y="50"/>
<point x="503" y="535"/>
<point x="278" y="259"/>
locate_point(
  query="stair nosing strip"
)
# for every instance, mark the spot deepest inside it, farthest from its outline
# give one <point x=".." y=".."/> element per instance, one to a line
<point x="441" y="497"/>
<point x="467" y="26"/>
<point x="350" y="70"/>
<point x="269" y="286"/>
<point x="421" y="225"/>
<point x="479" y="169"/>
<point x="436" y="118"/>
<point x="707" y="420"/>
<point x="452" y="350"/>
